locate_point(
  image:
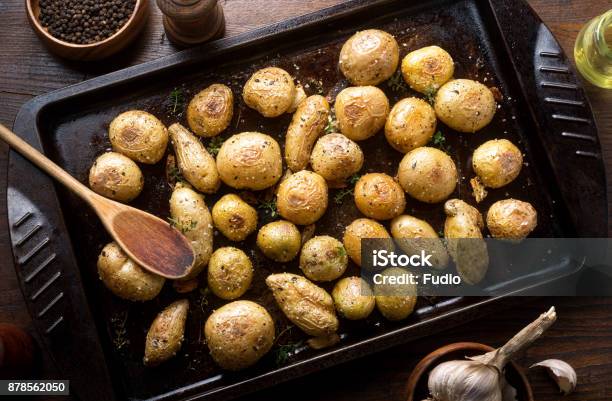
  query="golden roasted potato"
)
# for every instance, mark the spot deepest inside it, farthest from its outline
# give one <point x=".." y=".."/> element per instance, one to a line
<point x="511" y="219"/>
<point x="428" y="174"/>
<point x="238" y="334"/>
<point x="302" y="198"/>
<point x="210" y="111"/>
<point x="235" y="218"/>
<point x="279" y="241"/>
<point x="270" y="91"/>
<point x="309" y="307"/>
<point x="139" y="136"/>
<point x="307" y="125"/>
<point x="497" y="162"/>
<point x="336" y="158"/>
<point x="369" y="57"/>
<point x="395" y="301"/>
<point x="230" y="273"/>
<point x="428" y="68"/>
<point x="191" y="216"/>
<point x="411" y="123"/>
<point x="358" y="230"/>
<point x="361" y="111"/>
<point x="379" y="196"/>
<point x="250" y="160"/>
<point x="465" y="105"/>
<point x="125" y="278"/>
<point x="323" y="258"/>
<point x="413" y="235"/>
<point x="116" y="176"/>
<point x="300" y="95"/>
<point x="194" y="162"/>
<point x="166" y="333"/>
<point x="353" y="298"/>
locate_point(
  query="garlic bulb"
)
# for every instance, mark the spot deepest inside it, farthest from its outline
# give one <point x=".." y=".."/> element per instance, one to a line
<point x="561" y="372"/>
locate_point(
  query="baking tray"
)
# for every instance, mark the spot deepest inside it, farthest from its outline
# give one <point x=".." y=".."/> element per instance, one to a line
<point x="97" y="340"/>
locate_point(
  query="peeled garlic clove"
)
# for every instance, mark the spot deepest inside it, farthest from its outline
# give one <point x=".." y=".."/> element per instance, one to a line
<point x="561" y="372"/>
<point x="464" y="381"/>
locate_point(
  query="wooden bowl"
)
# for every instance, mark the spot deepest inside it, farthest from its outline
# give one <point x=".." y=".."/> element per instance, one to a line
<point x="417" y="382"/>
<point x="94" y="51"/>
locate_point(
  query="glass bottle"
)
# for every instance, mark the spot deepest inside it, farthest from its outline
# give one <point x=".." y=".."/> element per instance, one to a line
<point x="593" y="50"/>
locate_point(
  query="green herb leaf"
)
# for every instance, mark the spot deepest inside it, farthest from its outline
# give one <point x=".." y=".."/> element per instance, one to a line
<point x="339" y="198"/>
<point x="119" y="330"/>
<point x="177" y="100"/>
<point x="284" y="352"/>
<point x="430" y="95"/>
<point x="439" y="141"/>
<point x="214" y="145"/>
<point x="396" y="82"/>
<point x="332" y="124"/>
<point x="269" y="207"/>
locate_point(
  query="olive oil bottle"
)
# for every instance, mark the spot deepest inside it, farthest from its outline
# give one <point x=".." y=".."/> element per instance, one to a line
<point x="593" y="51"/>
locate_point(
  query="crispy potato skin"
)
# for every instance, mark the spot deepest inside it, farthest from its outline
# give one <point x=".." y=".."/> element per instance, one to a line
<point x="361" y="111"/>
<point x="139" y="136"/>
<point x="428" y="174"/>
<point x="300" y="95"/>
<point x="511" y="219"/>
<point x="250" y="160"/>
<point x="307" y="125"/>
<point x="411" y="124"/>
<point x="270" y="91"/>
<point x="323" y="258"/>
<point x="353" y="298"/>
<point x="166" y="333"/>
<point x="230" y="273"/>
<point x="379" y="196"/>
<point x="235" y="218"/>
<point x="126" y="279"/>
<point x="308" y="306"/>
<point x="414" y="234"/>
<point x="336" y="158"/>
<point x="302" y="198"/>
<point x="238" y="334"/>
<point x="369" y="57"/>
<point x="427" y="69"/>
<point x="465" y="105"/>
<point x="210" y="111"/>
<point x="116" y="176"/>
<point x="395" y="302"/>
<point x="279" y="241"/>
<point x="196" y="165"/>
<point x="497" y="162"/>
<point x="358" y="230"/>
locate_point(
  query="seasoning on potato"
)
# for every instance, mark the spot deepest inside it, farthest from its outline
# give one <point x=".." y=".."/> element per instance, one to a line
<point x="428" y="174"/>
<point x="361" y="111"/>
<point x="395" y="301"/>
<point x="465" y="105"/>
<point x="250" y="160"/>
<point x="270" y="91"/>
<point x="411" y="123"/>
<point x="238" y="334"/>
<point x="379" y="196"/>
<point x="125" y="278"/>
<point x="511" y="219"/>
<point x="139" y="136"/>
<point x="116" y="176"/>
<point x="428" y="68"/>
<point x="413" y="235"/>
<point x="302" y="198"/>
<point x="230" y="273"/>
<point x="336" y="158"/>
<point x="166" y="334"/>
<point x="358" y="230"/>
<point x="497" y="162"/>
<point x="235" y="218"/>
<point x="353" y="298"/>
<point x="279" y="241"/>
<point x="323" y="258"/>
<point x="210" y="111"/>
<point x="369" y="57"/>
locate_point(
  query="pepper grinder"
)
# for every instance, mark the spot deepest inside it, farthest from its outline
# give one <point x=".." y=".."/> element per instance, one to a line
<point x="191" y="22"/>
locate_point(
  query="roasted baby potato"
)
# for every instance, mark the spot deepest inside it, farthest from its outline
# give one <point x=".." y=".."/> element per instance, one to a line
<point x="497" y="162"/>
<point x="323" y="258"/>
<point x="395" y="301"/>
<point x="361" y="111"/>
<point x="309" y="307"/>
<point x="210" y="111"/>
<point x="238" y="334"/>
<point x="358" y="230"/>
<point x="166" y="333"/>
<point x="511" y="219"/>
<point x="279" y="241"/>
<point x="116" y="176"/>
<point x="230" y="273"/>
<point x="413" y="235"/>
<point x="307" y="125"/>
<point x="369" y="57"/>
<point x="235" y="218"/>
<point x="411" y="123"/>
<point x="336" y="158"/>
<point x="196" y="165"/>
<point x="125" y="278"/>
<point x="300" y="95"/>
<point x="465" y="105"/>
<point x="428" y="174"/>
<point x="302" y="198"/>
<point x="250" y="160"/>
<point x="427" y="69"/>
<point x="353" y="298"/>
<point x="139" y="136"/>
<point x="191" y="216"/>
<point x="379" y="196"/>
<point x="270" y="91"/>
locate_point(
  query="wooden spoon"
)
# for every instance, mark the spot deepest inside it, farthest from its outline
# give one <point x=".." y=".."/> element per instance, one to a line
<point x="148" y="240"/>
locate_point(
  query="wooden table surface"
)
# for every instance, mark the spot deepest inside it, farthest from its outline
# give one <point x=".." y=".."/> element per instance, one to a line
<point x="582" y="336"/>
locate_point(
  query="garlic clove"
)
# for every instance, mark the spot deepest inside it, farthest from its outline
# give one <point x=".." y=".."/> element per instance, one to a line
<point x="561" y="372"/>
